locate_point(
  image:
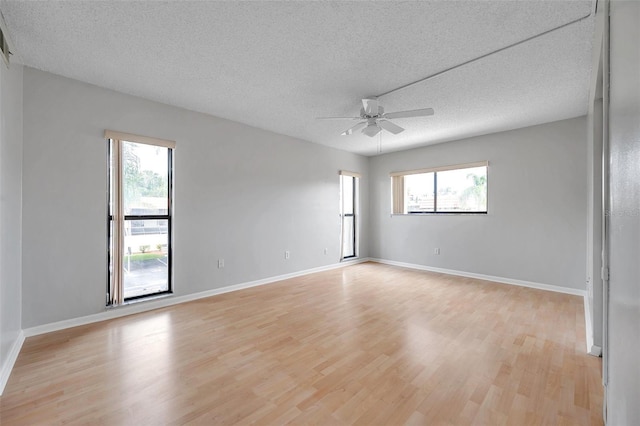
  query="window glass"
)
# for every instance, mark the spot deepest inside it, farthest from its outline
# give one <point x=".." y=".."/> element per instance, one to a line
<point x="145" y="179"/>
<point x="419" y="196"/>
<point x="347" y="194"/>
<point x="348" y="237"/>
<point x="462" y="190"/>
<point x="146" y="257"/>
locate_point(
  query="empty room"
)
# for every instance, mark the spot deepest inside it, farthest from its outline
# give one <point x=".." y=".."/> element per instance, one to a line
<point x="319" y="212"/>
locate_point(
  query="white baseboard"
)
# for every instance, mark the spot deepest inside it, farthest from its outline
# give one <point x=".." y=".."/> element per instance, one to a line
<point x="592" y="349"/>
<point x="134" y="308"/>
<point x="595" y="350"/>
<point x="588" y="323"/>
<point x="8" y="363"/>
<point x="521" y="283"/>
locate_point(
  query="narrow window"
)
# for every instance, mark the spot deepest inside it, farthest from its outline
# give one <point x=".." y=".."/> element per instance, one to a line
<point x="348" y="202"/>
<point x="140" y="217"/>
<point x="450" y="189"/>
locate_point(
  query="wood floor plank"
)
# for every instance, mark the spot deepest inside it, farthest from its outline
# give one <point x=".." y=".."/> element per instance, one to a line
<point x="366" y="344"/>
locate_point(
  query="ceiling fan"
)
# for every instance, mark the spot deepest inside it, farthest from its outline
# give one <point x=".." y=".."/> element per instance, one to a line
<point x="374" y="119"/>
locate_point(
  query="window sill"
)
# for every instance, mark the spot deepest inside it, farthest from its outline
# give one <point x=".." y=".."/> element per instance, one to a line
<point x="142" y="299"/>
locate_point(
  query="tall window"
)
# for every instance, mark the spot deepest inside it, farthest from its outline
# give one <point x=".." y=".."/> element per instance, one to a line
<point x="450" y="189"/>
<point x="140" y="213"/>
<point x="348" y="204"/>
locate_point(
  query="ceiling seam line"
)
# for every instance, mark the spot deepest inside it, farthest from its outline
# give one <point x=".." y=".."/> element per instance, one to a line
<point x="439" y="73"/>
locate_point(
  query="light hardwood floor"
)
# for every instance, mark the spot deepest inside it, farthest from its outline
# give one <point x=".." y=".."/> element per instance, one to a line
<point x="368" y="344"/>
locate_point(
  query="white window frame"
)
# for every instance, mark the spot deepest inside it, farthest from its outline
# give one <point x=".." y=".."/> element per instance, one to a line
<point x="398" y="190"/>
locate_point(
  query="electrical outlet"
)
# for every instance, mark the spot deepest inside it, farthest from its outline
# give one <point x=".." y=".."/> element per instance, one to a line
<point x="287" y="254"/>
<point x="326" y="251"/>
<point x="220" y="263"/>
<point x="436" y="251"/>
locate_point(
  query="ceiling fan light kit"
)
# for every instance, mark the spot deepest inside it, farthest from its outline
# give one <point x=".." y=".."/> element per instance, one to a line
<point x="371" y="130"/>
<point x="373" y="119"/>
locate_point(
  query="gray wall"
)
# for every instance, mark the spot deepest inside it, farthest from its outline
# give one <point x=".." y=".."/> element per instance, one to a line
<point x="623" y="390"/>
<point x="241" y="193"/>
<point x="535" y="229"/>
<point x="10" y="206"/>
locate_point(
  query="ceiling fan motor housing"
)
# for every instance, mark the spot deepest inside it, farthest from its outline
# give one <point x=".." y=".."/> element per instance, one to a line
<point x="364" y="114"/>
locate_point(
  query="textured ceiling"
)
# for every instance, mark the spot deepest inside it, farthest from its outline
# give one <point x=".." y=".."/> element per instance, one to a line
<point x="277" y="65"/>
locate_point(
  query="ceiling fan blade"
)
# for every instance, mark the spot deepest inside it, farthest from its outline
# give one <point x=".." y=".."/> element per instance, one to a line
<point x="370" y="106"/>
<point x="371" y="130"/>
<point x="353" y="129"/>
<point x="412" y="113"/>
<point x="338" y="118"/>
<point x="390" y="127"/>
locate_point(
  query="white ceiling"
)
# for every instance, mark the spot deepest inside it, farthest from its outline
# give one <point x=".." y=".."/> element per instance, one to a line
<point x="277" y="65"/>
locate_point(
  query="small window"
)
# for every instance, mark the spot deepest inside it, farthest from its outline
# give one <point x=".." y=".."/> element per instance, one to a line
<point x="450" y="189"/>
<point x="348" y="207"/>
